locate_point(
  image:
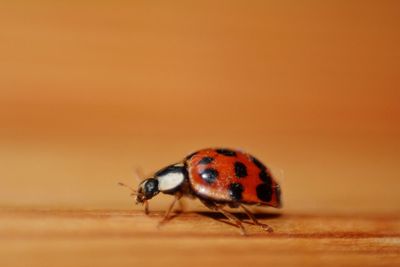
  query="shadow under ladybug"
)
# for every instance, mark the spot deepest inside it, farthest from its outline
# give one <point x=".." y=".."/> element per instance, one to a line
<point x="218" y="178"/>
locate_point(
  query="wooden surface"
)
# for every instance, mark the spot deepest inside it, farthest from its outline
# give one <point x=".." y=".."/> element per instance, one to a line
<point x="92" y="90"/>
<point x="126" y="238"/>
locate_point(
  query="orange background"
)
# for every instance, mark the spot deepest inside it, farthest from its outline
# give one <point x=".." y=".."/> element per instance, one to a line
<point x="89" y="91"/>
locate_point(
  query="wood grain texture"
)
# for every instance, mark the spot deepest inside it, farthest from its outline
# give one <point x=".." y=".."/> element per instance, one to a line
<point x="129" y="238"/>
<point x="91" y="90"/>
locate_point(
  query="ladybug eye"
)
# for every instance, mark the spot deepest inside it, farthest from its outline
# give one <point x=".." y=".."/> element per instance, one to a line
<point x="150" y="188"/>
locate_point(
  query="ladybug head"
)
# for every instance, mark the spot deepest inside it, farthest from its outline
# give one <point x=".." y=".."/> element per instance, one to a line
<point x="147" y="190"/>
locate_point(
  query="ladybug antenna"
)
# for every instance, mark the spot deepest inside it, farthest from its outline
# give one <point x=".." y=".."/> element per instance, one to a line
<point x="134" y="192"/>
<point x="138" y="174"/>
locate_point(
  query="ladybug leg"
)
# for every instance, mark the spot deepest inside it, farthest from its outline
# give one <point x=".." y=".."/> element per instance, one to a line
<point x="181" y="205"/>
<point x="146" y="208"/>
<point x="234" y="219"/>
<point x="264" y="226"/>
<point x="213" y="206"/>
<point x="169" y="210"/>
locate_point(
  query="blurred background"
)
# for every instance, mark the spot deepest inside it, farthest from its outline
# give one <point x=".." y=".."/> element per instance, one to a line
<point x="91" y="90"/>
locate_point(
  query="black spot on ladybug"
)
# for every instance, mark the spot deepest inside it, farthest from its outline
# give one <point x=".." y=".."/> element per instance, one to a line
<point x="264" y="192"/>
<point x="235" y="191"/>
<point x="206" y="160"/>
<point x="258" y="163"/>
<point x="209" y="175"/>
<point x="265" y="177"/>
<point x="240" y="170"/>
<point x="226" y="152"/>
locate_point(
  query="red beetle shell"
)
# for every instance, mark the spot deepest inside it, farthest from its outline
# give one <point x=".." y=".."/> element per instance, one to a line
<point x="225" y="175"/>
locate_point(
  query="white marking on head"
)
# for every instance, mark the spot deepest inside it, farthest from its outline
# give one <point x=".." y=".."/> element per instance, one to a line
<point x="170" y="180"/>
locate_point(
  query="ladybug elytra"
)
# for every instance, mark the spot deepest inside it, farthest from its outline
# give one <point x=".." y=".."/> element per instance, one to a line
<point x="218" y="178"/>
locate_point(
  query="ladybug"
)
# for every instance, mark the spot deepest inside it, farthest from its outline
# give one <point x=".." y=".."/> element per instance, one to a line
<point x="218" y="177"/>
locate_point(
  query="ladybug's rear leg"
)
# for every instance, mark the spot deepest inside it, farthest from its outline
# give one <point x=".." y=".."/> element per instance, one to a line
<point x="213" y="206"/>
<point x="234" y="219"/>
<point x="264" y="226"/>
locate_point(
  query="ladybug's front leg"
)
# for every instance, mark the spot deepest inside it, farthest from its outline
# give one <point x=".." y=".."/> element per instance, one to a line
<point x="146" y="207"/>
<point x="181" y="206"/>
<point x="169" y="210"/>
